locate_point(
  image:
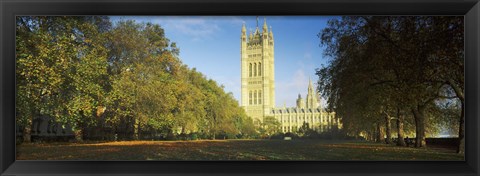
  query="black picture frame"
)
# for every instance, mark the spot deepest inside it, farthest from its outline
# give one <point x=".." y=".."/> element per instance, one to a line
<point x="9" y="9"/>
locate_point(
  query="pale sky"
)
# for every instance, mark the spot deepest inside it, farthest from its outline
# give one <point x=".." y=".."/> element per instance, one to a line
<point x="211" y="44"/>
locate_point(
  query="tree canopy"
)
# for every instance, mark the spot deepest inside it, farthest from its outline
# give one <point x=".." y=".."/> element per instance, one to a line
<point x="127" y="76"/>
<point x="393" y="67"/>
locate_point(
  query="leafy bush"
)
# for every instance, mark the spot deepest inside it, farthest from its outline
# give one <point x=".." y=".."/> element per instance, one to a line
<point x="193" y="136"/>
<point x="171" y="137"/>
<point x="279" y="135"/>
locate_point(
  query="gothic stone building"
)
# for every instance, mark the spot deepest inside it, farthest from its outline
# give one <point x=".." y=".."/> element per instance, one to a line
<point x="258" y="87"/>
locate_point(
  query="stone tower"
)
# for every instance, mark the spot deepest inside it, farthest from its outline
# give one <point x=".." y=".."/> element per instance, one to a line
<point x="257" y="70"/>
<point x="312" y="96"/>
<point x="300" y="102"/>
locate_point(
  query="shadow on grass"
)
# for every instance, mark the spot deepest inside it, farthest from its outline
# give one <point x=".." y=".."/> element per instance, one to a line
<point x="323" y="150"/>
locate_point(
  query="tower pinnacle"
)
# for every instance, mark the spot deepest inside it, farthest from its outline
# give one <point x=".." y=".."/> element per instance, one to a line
<point x="310" y="87"/>
<point x="244" y="29"/>
<point x="265" y="25"/>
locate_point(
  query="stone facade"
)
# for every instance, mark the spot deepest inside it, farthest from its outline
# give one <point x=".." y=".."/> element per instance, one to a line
<point x="311" y="112"/>
<point x="258" y="74"/>
<point x="258" y="87"/>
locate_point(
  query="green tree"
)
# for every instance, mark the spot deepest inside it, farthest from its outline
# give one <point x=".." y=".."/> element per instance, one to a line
<point x="145" y="77"/>
<point x="77" y="68"/>
<point x="61" y="69"/>
<point x="270" y="125"/>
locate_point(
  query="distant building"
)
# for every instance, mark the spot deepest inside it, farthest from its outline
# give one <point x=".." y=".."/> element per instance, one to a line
<point x="258" y="87"/>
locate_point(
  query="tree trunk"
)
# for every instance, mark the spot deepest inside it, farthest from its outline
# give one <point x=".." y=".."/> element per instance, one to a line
<point x="27" y="131"/>
<point x="461" y="132"/>
<point x="380" y="134"/>
<point x="419" y="115"/>
<point x="373" y="134"/>
<point x="136" y="127"/>
<point x="79" y="135"/>
<point x="400" y="136"/>
<point x="388" y="129"/>
<point x="214" y="128"/>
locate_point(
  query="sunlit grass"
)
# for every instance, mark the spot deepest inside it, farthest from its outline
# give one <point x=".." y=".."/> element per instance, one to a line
<point x="230" y="150"/>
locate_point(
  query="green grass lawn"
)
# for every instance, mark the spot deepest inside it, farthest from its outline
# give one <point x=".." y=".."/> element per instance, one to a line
<point x="230" y="150"/>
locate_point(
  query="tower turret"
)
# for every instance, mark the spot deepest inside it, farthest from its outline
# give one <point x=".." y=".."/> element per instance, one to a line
<point x="244" y="29"/>
<point x="244" y="64"/>
<point x="265" y="29"/>
<point x="310" y="87"/>
<point x="257" y="32"/>
<point x="243" y="37"/>
<point x="300" y="102"/>
<point x="265" y="33"/>
<point x="270" y="34"/>
<point x="311" y="96"/>
<point x="250" y="36"/>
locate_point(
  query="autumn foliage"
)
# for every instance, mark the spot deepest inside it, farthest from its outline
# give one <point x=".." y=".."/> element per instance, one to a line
<point x="117" y="81"/>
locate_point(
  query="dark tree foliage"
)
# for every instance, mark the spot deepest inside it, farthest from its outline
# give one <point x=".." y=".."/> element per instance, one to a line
<point x="393" y="67"/>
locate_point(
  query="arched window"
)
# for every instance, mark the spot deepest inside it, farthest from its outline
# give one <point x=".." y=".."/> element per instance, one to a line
<point x="255" y="97"/>
<point x="250" y="70"/>
<point x="255" y="69"/>
<point x="259" y="69"/>
<point x="259" y="97"/>
<point x="250" y="97"/>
